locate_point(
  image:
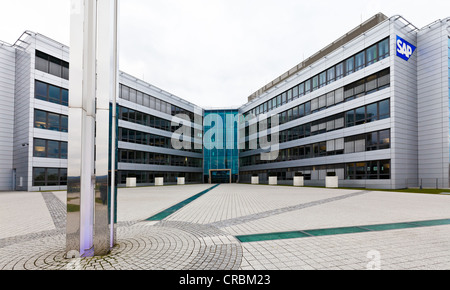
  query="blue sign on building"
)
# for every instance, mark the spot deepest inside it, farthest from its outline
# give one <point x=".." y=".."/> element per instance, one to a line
<point x="404" y="49"/>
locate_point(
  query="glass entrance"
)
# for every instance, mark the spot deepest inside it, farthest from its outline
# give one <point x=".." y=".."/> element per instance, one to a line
<point x="220" y="176"/>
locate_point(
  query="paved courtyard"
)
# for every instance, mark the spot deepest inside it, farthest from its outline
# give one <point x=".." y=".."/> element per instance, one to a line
<point x="238" y="227"/>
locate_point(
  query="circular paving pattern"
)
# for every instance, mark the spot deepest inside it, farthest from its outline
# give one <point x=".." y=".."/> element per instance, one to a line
<point x="161" y="246"/>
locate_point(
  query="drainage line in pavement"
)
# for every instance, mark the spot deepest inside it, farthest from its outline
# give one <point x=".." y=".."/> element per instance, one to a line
<point x="165" y="213"/>
<point x="340" y="231"/>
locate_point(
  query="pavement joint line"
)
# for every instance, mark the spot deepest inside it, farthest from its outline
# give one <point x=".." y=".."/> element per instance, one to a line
<point x="257" y="216"/>
<point x="340" y="231"/>
<point x="173" y="209"/>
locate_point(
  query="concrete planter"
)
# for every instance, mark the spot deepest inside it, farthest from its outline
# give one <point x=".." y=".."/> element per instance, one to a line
<point x="332" y="182"/>
<point x="273" y="180"/>
<point x="255" y="180"/>
<point x="159" y="181"/>
<point x="299" y="181"/>
<point x="131" y="182"/>
<point x="181" y="181"/>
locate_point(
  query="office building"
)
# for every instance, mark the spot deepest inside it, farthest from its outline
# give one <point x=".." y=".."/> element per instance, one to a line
<point x="372" y="108"/>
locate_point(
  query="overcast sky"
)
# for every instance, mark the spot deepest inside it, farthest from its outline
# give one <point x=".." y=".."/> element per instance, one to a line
<point x="215" y="53"/>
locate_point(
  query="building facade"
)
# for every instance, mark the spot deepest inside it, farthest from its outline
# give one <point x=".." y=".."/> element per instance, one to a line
<point x="373" y="107"/>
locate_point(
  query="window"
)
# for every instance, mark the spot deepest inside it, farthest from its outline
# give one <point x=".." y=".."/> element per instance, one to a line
<point x="51" y="65"/>
<point x="53" y="149"/>
<point x="133" y="97"/>
<point x="340" y="71"/>
<point x="330" y="75"/>
<point x="322" y="79"/>
<point x="49" y="176"/>
<point x="384" y="109"/>
<point x="359" y="61"/>
<point x="349" y="66"/>
<point x="307" y="86"/>
<point x="41" y="91"/>
<point x="301" y="111"/>
<point x="295" y="92"/>
<point x="40" y="148"/>
<point x="360" y="116"/>
<point x="54" y="94"/>
<point x="315" y="83"/>
<point x="51" y="93"/>
<point x="372" y="112"/>
<point x="371" y="83"/>
<point x="55" y="67"/>
<point x="41" y="62"/>
<point x="350" y="118"/>
<point x="383" y="49"/>
<point x="372" y="54"/>
<point x="40" y="119"/>
<point x="125" y="92"/>
<point x="50" y="121"/>
<point x="301" y="89"/>
<point x="283" y="98"/>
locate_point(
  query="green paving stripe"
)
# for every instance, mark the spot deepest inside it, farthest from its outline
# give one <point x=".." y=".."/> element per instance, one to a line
<point x="165" y="213"/>
<point x="340" y="231"/>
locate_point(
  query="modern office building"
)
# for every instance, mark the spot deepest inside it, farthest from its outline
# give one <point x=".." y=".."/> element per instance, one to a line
<point x="372" y="107"/>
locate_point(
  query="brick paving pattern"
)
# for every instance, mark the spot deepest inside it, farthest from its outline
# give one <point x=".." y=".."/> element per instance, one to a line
<point x="201" y="235"/>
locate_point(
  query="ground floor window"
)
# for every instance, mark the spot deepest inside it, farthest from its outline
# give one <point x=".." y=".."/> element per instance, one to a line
<point x="379" y="169"/>
<point x="49" y="177"/>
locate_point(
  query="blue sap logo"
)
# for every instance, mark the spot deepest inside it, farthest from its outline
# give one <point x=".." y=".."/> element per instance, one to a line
<point x="404" y="48"/>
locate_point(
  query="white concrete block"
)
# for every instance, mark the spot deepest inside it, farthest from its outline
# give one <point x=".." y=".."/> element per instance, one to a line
<point x="131" y="182"/>
<point x="273" y="180"/>
<point x="159" y="181"/>
<point x="299" y="181"/>
<point x="332" y="182"/>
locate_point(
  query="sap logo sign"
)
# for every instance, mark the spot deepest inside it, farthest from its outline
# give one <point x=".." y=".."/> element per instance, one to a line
<point x="404" y="48"/>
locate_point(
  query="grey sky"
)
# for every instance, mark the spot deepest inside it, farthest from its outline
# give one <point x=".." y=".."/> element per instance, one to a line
<point x="215" y="53"/>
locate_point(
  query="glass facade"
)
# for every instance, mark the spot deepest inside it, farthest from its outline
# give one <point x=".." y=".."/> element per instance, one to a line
<point x="220" y="146"/>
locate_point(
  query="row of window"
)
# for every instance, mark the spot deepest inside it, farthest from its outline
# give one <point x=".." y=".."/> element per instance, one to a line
<point x="132" y="136"/>
<point x="49" y="149"/>
<point x="361" y="143"/>
<point x="146" y="177"/>
<point x="365" y="114"/>
<point x="354" y="63"/>
<point x="357" y="89"/>
<point x="139" y="157"/>
<point x="49" y="176"/>
<point x="51" y="121"/>
<point x="369" y="170"/>
<point x="140" y="118"/>
<point x="50" y="93"/>
<point x="52" y="65"/>
<point x="151" y="102"/>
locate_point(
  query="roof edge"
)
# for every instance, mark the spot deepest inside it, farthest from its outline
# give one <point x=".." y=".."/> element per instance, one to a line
<point x="365" y="26"/>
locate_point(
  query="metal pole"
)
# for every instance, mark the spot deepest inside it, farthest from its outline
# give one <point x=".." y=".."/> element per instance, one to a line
<point x="92" y="89"/>
<point x="107" y="79"/>
<point x="81" y="178"/>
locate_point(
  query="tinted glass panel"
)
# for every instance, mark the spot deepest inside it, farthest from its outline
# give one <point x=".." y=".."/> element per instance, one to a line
<point x="52" y="149"/>
<point x="41" y="90"/>
<point x="40" y="119"/>
<point x="372" y="54"/>
<point x="39" y="148"/>
<point x="359" y="61"/>
<point x="54" y="94"/>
